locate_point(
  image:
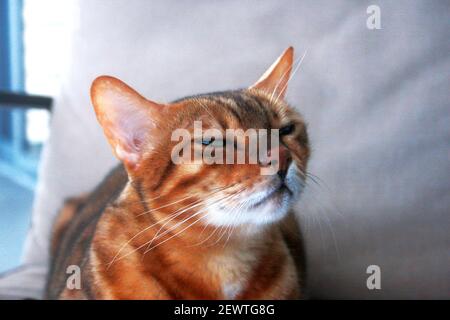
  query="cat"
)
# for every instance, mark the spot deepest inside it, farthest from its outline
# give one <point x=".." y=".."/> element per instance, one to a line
<point x="158" y="230"/>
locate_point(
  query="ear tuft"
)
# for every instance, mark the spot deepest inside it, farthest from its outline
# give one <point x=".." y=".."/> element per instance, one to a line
<point x="274" y="81"/>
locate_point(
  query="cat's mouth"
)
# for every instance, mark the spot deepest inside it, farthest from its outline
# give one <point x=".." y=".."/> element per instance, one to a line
<point x="256" y="207"/>
<point x="282" y="191"/>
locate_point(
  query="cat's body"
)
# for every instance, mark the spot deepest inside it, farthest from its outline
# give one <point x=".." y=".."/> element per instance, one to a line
<point x="157" y="230"/>
<point x="262" y="269"/>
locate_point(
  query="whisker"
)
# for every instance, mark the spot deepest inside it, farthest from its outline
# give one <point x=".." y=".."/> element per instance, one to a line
<point x="180" y="200"/>
<point x="233" y="227"/>
<point x="157" y="233"/>
<point x="154" y="224"/>
<point x="205" y="107"/>
<point x="169" y="217"/>
<point x="160" y="243"/>
<point x="165" y="232"/>
<point x="156" y="236"/>
<point x="281" y="78"/>
<point x="223" y="229"/>
<point x="240" y="212"/>
<point x="226" y="198"/>
<point x="223" y="200"/>
<point x="166" y="205"/>
<point x="206" y="239"/>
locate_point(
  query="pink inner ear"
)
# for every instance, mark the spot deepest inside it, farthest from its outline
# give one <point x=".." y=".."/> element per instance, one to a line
<point x="133" y="124"/>
<point x="138" y="143"/>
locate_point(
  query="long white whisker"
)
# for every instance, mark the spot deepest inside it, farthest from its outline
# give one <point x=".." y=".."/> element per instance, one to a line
<point x="281" y="79"/>
<point x="206" y="239"/>
<point x="146" y="243"/>
<point x="223" y="228"/>
<point x="223" y="200"/>
<point x="236" y="218"/>
<point x="170" y="217"/>
<point x="160" y="243"/>
<point x="157" y="233"/>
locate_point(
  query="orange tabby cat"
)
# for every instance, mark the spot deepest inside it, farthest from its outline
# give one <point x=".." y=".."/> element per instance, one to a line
<point x="154" y="229"/>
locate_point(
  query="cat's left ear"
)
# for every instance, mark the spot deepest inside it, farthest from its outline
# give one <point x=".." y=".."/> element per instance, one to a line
<point x="274" y="81"/>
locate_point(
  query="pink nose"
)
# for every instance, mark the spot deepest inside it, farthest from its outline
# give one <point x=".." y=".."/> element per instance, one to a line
<point x="284" y="159"/>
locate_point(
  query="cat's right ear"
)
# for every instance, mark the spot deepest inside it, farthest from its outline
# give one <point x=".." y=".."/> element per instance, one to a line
<point x="126" y="117"/>
<point x="275" y="80"/>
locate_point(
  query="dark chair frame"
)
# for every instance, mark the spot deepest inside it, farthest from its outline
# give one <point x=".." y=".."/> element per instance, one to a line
<point x="21" y="164"/>
<point x="24" y="101"/>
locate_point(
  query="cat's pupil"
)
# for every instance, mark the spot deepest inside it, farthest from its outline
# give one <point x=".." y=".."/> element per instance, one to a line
<point x="287" y="130"/>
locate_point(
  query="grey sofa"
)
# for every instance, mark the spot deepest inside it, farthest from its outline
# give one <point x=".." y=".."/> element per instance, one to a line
<point x="377" y="104"/>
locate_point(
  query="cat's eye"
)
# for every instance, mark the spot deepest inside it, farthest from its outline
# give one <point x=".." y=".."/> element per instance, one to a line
<point x="284" y="131"/>
<point x="212" y="141"/>
<point x="207" y="141"/>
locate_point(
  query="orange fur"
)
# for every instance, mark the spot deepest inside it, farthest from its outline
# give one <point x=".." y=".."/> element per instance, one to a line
<point x="151" y="240"/>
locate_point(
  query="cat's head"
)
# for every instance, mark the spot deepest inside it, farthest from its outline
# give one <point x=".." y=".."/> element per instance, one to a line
<point x="150" y="138"/>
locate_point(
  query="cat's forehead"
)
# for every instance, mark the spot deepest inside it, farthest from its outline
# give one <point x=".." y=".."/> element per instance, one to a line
<point x="237" y="108"/>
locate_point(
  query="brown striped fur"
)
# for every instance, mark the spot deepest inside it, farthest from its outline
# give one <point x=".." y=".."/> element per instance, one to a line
<point x="107" y="233"/>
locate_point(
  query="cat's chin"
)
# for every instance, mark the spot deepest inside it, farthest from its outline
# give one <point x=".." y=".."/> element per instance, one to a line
<point x="268" y="210"/>
<point x="262" y="207"/>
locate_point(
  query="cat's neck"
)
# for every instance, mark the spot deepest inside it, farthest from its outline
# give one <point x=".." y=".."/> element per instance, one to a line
<point x="227" y="259"/>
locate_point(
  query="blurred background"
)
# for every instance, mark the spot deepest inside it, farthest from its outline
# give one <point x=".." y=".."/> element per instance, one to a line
<point x="375" y="94"/>
<point x="35" y="38"/>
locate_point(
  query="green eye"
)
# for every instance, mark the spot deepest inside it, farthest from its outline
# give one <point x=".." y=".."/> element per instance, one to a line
<point x="284" y="131"/>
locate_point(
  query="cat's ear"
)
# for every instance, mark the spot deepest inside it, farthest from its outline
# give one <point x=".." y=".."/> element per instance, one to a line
<point x="126" y="117"/>
<point x="274" y="81"/>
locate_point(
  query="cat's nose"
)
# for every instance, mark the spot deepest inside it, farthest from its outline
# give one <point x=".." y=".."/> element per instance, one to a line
<point x="285" y="159"/>
<point x="280" y="158"/>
